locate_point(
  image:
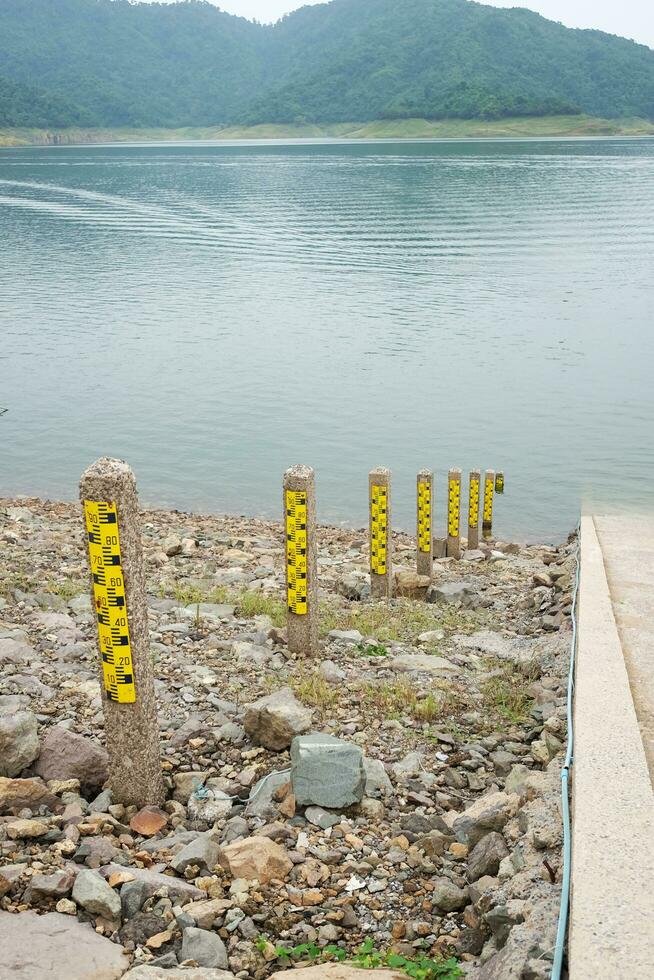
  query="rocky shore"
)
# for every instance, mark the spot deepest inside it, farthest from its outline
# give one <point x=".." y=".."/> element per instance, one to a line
<point x="425" y="829"/>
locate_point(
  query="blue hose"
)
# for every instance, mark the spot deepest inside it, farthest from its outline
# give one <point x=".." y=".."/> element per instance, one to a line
<point x="564" y="910"/>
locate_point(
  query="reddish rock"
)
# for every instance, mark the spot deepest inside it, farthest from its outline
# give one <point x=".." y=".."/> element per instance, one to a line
<point x="148" y="821"/>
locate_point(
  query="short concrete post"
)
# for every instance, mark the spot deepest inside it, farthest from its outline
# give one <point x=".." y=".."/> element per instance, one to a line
<point x="499" y="483"/>
<point x="110" y="504"/>
<point x="381" y="546"/>
<point x="425" y="499"/>
<point x="473" y="509"/>
<point x="301" y="561"/>
<point x="454" y="514"/>
<point x="489" y="491"/>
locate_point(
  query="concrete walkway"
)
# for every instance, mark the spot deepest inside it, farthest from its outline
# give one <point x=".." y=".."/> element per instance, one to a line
<point x="612" y="911"/>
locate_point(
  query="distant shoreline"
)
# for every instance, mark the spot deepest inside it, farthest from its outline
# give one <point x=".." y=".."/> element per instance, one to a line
<point x="392" y="129"/>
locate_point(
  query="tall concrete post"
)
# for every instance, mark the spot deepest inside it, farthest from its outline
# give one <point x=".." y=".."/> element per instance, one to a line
<point x="489" y="491"/>
<point x="381" y="545"/>
<point x="454" y="514"/>
<point x="111" y="517"/>
<point x="474" y="496"/>
<point x="425" y="499"/>
<point x="301" y="561"/>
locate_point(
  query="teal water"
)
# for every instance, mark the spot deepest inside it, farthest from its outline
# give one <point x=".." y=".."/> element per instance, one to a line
<point x="215" y="313"/>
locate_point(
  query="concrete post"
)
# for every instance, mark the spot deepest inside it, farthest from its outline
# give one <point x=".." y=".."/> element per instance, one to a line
<point x="110" y="504"/>
<point x="473" y="509"/>
<point x="425" y="498"/>
<point x="489" y="490"/>
<point x="454" y="514"/>
<point x="381" y="545"/>
<point x="301" y="561"/>
<point x="499" y="483"/>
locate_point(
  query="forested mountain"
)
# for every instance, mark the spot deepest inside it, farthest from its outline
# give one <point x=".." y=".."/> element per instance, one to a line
<point x="116" y="63"/>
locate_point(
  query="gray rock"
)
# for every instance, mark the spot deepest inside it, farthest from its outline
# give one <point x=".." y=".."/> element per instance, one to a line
<point x="448" y="897"/>
<point x="93" y="893"/>
<point x="450" y="592"/>
<point x="488" y="813"/>
<point x="53" y="946"/>
<point x="140" y="927"/>
<point x="502" y="918"/>
<point x="19" y="742"/>
<point x="541" y="821"/>
<point x="261" y="797"/>
<point x="275" y="720"/>
<point x="65" y="755"/>
<point x="326" y="771"/>
<point x="531" y="942"/>
<point x="57" y="885"/>
<point x="351" y="637"/>
<point x="206" y="948"/>
<point x="332" y="673"/>
<point x="178" y="889"/>
<point x="378" y="784"/>
<point x="203" y="852"/>
<point x="322" y="818"/>
<point x="486" y="856"/>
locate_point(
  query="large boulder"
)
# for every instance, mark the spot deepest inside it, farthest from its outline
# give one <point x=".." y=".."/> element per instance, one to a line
<point x="46" y="947"/>
<point x="326" y="771"/>
<point x="256" y="858"/>
<point x="19" y="742"/>
<point x="65" y="755"/>
<point x="206" y="948"/>
<point x="275" y="720"/>
<point x="179" y="890"/>
<point x="486" y="856"/>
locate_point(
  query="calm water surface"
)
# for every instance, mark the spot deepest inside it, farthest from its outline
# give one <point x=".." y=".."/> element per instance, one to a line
<point x="215" y="313"/>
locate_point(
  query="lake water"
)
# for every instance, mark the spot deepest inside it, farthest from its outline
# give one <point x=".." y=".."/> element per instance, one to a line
<point x="216" y="313"/>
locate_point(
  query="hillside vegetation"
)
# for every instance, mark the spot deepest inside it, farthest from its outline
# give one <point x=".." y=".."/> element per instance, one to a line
<point x="112" y="63"/>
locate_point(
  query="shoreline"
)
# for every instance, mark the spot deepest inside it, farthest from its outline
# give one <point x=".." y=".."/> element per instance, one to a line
<point x="540" y="127"/>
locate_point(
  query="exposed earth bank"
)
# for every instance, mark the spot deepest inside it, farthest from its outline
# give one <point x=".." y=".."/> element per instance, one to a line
<point x="449" y="705"/>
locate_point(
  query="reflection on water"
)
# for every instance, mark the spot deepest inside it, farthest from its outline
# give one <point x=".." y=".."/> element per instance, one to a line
<point x="216" y="313"/>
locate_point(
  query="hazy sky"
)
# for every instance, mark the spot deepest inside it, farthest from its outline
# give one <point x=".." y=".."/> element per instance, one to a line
<point x="630" y="18"/>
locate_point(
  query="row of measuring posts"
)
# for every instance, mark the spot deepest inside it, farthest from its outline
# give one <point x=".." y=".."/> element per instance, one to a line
<point x="119" y="597"/>
<point x="301" y="544"/>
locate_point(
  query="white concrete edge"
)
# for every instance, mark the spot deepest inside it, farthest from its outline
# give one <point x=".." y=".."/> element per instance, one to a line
<point x="612" y="911"/>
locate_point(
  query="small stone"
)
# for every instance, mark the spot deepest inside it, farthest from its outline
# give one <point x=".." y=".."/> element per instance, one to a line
<point x="148" y="821"/>
<point x="274" y="721"/>
<point x="378" y="784"/>
<point x="486" y="856"/>
<point x="203" y="852"/>
<point x="93" y="893"/>
<point x="322" y="818"/>
<point x="19" y="742"/>
<point x="65" y="755"/>
<point x="24" y="829"/>
<point x="206" y="948"/>
<point x="66" y="907"/>
<point x="256" y="857"/>
<point x="447" y="897"/>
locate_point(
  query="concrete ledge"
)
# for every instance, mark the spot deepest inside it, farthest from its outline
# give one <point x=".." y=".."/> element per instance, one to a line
<point x="612" y="914"/>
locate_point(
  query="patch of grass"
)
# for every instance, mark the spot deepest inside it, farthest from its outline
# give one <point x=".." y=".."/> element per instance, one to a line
<point x="68" y="588"/>
<point x="251" y="604"/>
<point x="17" y="580"/>
<point x="400" y="619"/>
<point x="313" y="690"/>
<point x="372" y="649"/>
<point x="367" y="956"/>
<point x="505" y="693"/>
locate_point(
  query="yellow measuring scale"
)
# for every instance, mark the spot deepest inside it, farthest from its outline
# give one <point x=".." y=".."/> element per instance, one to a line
<point x="379" y="528"/>
<point x="296" y="552"/>
<point x="424" y="517"/>
<point x="109" y="600"/>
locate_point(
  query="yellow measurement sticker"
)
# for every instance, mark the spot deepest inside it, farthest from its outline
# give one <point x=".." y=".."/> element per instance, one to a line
<point x="109" y="600"/>
<point x="473" y="508"/>
<point x="379" y="529"/>
<point x="499" y="483"/>
<point x="296" y="552"/>
<point x="454" y="509"/>
<point x="489" y="488"/>
<point x="424" y="517"/>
